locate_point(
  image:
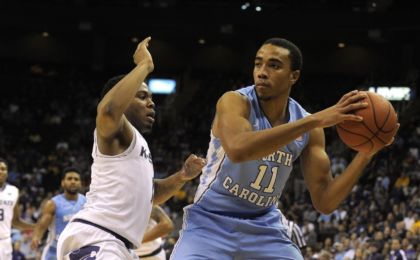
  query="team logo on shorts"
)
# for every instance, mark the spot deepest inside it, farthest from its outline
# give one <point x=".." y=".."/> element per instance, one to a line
<point x="85" y="253"/>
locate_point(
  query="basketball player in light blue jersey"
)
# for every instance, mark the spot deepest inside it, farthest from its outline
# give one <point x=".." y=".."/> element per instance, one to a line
<point x="57" y="212"/>
<point x="257" y="134"/>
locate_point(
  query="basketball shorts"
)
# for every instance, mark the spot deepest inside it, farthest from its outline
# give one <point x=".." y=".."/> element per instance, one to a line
<point x="211" y="236"/>
<point x="6" y="248"/>
<point x="161" y="255"/>
<point x="49" y="253"/>
<point x="82" y="241"/>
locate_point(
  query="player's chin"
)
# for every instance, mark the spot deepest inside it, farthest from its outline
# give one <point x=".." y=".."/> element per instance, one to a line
<point x="73" y="191"/>
<point x="262" y="94"/>
<point x="147" y="128"/>
<point x="263" y="97"/>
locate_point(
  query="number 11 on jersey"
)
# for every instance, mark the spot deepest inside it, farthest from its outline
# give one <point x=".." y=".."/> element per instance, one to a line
<point x="262" y="170"/>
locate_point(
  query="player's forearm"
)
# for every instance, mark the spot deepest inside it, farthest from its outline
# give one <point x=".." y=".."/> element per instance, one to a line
<point x="340" y="187"/>
<point x="116" y="101"/>
<point x="253" y="145"/>
<point x="158" y="231"/>
<point x="40" y="229"/>
<point x="166" y="188"/>
<point x="23" y="225"/>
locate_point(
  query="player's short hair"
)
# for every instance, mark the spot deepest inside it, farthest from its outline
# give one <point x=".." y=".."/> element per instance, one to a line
<point x="109" y="85"/>
<point x="295" y="53"/>
<point x="3" y="161"/>
<point x="70" y="169"/>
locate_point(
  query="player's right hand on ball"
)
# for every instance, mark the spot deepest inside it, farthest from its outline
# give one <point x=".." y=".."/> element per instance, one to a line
<point x="341" y="111"/>
<point x="142" y="55"/>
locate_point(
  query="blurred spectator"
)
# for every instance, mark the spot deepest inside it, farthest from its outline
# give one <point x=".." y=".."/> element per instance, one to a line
<point x="396" y="252"/>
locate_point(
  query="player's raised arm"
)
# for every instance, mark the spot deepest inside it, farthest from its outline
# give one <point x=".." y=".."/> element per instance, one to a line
<point x="41" y="226"/>
<point x="110" y="119"/>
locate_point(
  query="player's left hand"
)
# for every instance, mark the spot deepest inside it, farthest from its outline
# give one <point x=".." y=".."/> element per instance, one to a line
<point x="192" y="167"/>
<point x="142" y="55"/>
<point x="377" y="149"/>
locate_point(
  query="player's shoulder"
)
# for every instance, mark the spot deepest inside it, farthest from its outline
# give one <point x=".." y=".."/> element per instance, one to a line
<point x="246" y="91"/>
<point x="81" y="196"/>
<point x="243" y="94"/>
<point x="298" y="106"/>
<point x="11" y="188"/>
<point x="232" y="97"/>
<point x="10" y="191"/>
<point x="57" y="199"/>
<point x="58" y="196"/>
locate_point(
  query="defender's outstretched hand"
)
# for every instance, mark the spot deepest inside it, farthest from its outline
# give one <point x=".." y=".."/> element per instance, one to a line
<point x="192" y="167"/>
<point x="142" y="55"/>
<point x="342" y="111"/>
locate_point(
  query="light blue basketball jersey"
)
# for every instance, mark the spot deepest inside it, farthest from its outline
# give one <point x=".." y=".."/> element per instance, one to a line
<point x="64" y="211"/>
<point x="253" y="187"/>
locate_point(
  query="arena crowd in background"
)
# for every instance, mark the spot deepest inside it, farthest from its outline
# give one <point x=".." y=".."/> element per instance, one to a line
<point x="47" y="124"/>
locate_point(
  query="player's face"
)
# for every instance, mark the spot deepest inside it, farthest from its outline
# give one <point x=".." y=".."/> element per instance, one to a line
<point x="141" y="112"/>
<point x="395" y="244"/>
<point x="71" y="183"/>
<point x="273" y="76"/>
<point x="3" y="173"/>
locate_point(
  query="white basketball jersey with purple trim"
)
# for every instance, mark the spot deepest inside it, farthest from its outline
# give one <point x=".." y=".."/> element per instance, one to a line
<point x="121" y="191"/>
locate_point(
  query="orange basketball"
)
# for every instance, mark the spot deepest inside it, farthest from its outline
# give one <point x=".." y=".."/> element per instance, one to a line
<point x="376" y="130"/>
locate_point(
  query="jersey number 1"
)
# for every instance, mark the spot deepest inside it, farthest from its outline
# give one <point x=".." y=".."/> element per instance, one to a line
<point x="262" y="170"/>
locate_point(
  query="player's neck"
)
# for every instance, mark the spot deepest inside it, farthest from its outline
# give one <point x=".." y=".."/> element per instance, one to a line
<point x="276" y="109"/>
<point x="69" y="196"/>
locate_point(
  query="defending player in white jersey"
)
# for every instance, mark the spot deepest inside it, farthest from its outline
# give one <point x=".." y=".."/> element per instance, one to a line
<point x="122" y="189"/>
<point x="159" y="226"/>
<point x="9" y="213"/>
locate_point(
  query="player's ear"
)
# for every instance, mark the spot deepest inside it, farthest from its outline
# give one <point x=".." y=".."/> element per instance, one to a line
<point x="294" y="76"/>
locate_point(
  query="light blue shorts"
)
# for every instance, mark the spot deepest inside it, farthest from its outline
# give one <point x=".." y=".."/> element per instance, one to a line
<point x="211" y="236"/>
<point x="49" y="253"/>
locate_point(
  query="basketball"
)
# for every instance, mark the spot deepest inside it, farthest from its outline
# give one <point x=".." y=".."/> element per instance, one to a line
<point x="376" y="130"/>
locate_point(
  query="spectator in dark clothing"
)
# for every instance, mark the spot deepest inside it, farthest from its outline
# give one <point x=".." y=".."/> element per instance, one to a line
<point x="373" y="251"/>
<point x="17" y="254"/>
<point x="396" y="252"/>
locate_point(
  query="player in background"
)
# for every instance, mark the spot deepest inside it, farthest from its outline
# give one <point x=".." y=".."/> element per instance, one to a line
<point x="57" y="212"/>
<point x="9" y="213"/>
<point x="159" y="226"/>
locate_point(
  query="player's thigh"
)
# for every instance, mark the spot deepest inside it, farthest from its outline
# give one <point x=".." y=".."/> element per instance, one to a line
<point x="101" y="251"/>
<point x="160" y="256"/>
<point x="271" y="246"/>
<point x="81" y="239"/>
<point x="284" y="252"/>
<point x="6" y="249"/>
<point x="198" y="245"/>
<point x="49" y="253"/>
